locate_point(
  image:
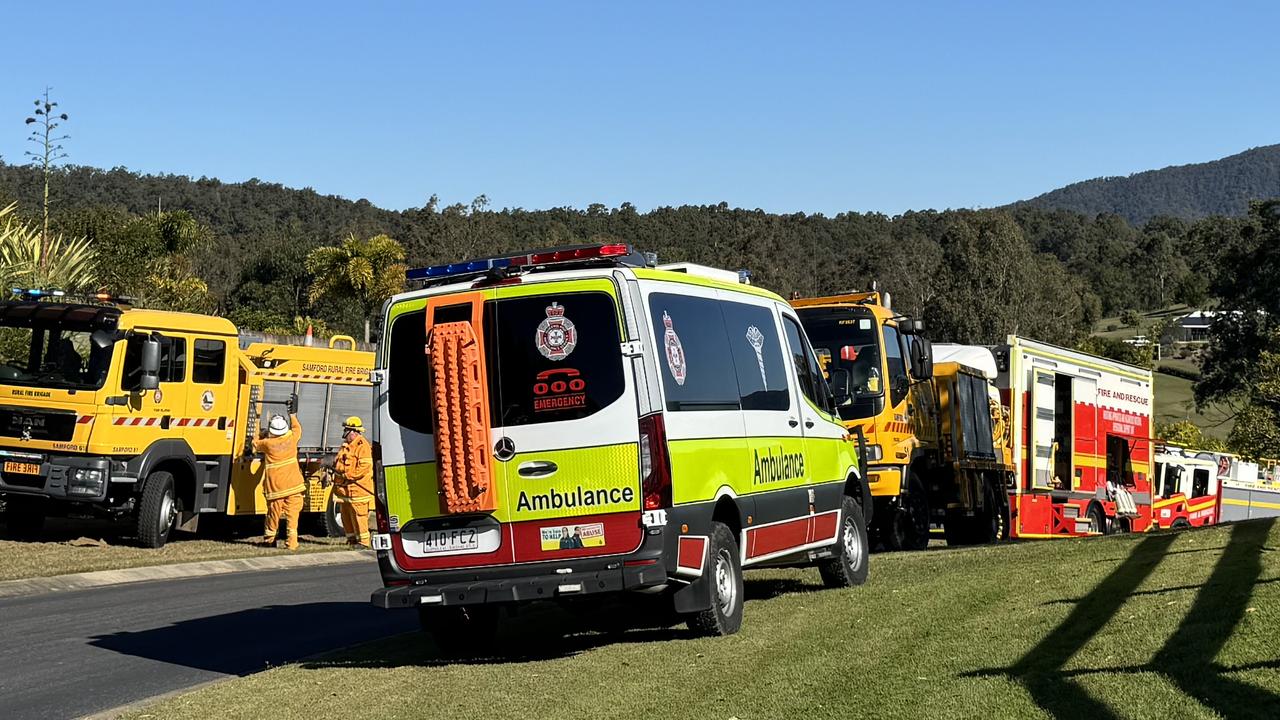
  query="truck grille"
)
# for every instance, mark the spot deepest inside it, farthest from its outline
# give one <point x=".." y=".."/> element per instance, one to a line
<point x="33" y="424"/>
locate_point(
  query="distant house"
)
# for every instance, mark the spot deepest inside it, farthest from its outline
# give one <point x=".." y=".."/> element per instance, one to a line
<point x="1194" y="328"/>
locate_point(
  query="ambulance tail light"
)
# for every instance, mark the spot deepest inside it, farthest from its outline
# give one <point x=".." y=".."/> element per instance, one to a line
<point x="379" y="491"/>
<point x="655" y="465"/>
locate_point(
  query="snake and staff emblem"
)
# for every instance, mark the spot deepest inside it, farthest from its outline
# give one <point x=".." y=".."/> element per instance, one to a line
<point x="756" y="338"/>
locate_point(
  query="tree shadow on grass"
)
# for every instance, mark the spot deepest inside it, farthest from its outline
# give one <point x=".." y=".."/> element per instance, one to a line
<point x="1159" y="591"/>
<point x="1187" y="658"/>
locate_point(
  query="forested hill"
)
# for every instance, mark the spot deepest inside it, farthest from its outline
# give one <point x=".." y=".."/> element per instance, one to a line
<point x="1220" y="187"/>
<point x="975" y="276"/>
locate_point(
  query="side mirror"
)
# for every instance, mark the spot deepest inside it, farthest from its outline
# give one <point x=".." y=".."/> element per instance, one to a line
<point x="921" y="358"/>
<point x="150" y="379"/>
<point x="841" y="392"/>
<point x="911" y="327"/>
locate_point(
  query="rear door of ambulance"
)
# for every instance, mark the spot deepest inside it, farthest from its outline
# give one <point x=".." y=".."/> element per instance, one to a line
<point x="564" y="411"/>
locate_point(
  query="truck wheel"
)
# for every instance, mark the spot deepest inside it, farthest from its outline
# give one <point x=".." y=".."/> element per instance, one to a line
<point x="725" y="615"/>
<point x="158" y="510"/>
<point x="1180" y="524"/>
<point x="917" y="517"/>
<point x="329" y="522"/>
<point x="24" y="517"/>
<point x="461" y="631"/>
<point x="849" y="567"/>
<point x="958" y="528"/>
<point x="1098" y="520"/>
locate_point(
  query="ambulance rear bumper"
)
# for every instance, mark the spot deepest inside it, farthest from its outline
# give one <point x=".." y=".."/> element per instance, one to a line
<point x="585" y="578"/>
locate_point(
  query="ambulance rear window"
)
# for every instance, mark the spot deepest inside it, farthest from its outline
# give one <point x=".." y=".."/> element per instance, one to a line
<point x="550" y="358"/>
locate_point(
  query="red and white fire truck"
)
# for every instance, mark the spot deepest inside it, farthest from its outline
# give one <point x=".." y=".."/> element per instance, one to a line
<point x="1081" y="441"/>
<point x="1188" y="487"/>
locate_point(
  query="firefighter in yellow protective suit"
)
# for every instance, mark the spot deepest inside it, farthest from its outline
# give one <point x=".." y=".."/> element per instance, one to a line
<point x="283" y="485"/>
<point x="353" y="481"/>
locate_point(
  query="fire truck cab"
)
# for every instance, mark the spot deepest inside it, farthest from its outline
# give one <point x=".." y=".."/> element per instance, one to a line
<point x="1187" y="489"/>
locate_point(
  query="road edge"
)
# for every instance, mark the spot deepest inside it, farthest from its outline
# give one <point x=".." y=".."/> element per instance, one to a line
<point x="125" y="576"/>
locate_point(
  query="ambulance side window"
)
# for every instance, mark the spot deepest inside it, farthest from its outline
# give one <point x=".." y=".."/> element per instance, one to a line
<point x="209" y="365"/>
<point x="808" y="371"/>
<point x="693" y="353"/>
<point x="757" y="356"/>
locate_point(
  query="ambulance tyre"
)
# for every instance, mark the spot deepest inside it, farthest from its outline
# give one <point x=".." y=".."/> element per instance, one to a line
<point x="849" y="567"/>
<point x="724" y="617"/>
<point x="158" y="510"/>
<point x="461" y="631"/>
<point x="24" y="517"/>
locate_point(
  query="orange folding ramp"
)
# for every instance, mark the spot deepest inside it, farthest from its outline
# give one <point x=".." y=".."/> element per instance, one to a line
<point x="460" y="405"/>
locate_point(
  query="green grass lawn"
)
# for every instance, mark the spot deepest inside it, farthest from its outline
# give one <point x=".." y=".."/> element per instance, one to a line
<point x="1175" y="401"/>
<point x="1157" y="626"/>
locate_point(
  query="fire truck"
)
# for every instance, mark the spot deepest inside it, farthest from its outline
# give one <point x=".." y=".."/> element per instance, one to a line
<point x="1187" y="488"/>
<point x="936" y="434"/>
<point x="148" y="416"/>
<point x="1081" y="441"/>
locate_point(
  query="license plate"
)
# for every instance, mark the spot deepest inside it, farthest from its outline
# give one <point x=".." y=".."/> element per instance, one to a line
<point x="466" y="540"/>
<point x="21" y="468"/>
<point x="444" y="541"/>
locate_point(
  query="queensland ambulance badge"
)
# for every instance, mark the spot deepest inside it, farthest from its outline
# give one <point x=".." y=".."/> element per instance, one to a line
<point x="674" y="351"/>
<point x="556" y="337"/>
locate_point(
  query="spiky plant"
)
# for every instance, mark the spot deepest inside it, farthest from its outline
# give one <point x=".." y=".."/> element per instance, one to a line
<point x="57" y="262"/>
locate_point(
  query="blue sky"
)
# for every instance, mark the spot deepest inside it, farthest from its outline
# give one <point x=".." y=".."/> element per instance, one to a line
<point x="784" y="106"/>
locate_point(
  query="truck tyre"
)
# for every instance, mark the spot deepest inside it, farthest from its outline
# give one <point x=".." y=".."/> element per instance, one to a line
<point x="958" y="528"/>
<point x="461" y="631"/>
<point x="329" y="522"/>
<point x="849" y="566"/>
<point x="1098" y="520"/>
<point x="724" y="617"/>
<point x="1180" y="524"/>
<point x="157" y="511"/>
<point x="24" y="517"/>
<point x="908" y="528"/>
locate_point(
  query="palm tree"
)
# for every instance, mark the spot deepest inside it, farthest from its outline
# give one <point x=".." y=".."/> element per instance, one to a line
<point x="366" y="272"/>
<point x="67" y="264"/>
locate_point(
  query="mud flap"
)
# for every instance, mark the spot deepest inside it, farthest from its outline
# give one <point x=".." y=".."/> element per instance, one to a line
<point x="460" y="405"/>
<point x="696" y="597"/>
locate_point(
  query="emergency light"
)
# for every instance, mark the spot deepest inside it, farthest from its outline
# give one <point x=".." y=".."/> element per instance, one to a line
<point x="619" y="252"/>
<point x="39" y="293"/>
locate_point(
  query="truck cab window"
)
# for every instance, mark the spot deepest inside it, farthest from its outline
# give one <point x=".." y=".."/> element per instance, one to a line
<point x="899" y="383"/>
<point x="808" y="371"/>
<point x="173" y="361"/>
<point x="209" y="365"/>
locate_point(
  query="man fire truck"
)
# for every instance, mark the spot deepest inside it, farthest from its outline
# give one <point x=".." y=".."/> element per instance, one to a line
<point x="145" y="415"/>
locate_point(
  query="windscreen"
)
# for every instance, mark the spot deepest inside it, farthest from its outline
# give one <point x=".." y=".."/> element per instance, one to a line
<point x="52" y="355"/>
<point x="848" y="340"/>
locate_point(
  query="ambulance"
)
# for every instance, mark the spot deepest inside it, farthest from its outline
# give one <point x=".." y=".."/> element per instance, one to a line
<point x="577" y="423"/>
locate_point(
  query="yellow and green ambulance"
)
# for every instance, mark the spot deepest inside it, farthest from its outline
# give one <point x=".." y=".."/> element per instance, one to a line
<point x="578" y="422"/>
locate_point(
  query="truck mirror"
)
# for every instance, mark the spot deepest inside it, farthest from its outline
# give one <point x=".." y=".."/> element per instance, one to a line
<point x="841" y="392"/>
<point x="911" y="327"/>
<point x="921" y="358"/>
<point x="150" y="378"/>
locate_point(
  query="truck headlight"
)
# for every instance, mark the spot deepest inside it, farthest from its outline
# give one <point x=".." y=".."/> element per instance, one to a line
<point x="86" y="481"/>
<point x="875" y="453"/>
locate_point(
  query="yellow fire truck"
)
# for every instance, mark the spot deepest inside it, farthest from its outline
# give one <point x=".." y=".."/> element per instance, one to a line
<point x="937" y="437"/>
<point x="145" y="415"/>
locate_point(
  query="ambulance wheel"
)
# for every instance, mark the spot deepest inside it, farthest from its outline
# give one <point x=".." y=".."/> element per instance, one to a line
<point x="849" y="567"/>
<point x="724" y="617"/>
<point x="460" y="631"/>
<point x="24" y="517"/>
<point x="158" y="510"/>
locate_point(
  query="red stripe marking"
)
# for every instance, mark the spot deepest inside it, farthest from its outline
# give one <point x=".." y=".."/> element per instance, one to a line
<point x="824" y="527"/>
<point x="775" y="538"/>
<point x="692" y="550"/>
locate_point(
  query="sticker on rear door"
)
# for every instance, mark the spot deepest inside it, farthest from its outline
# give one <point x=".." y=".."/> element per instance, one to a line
<point x="556" y="336"/>
<point x="572" y="537"/>
<point x="674" y="351"/>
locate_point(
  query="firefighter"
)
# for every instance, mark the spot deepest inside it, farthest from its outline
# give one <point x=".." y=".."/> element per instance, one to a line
<point x="283" y="485"/>
<point x="353" y="481"/>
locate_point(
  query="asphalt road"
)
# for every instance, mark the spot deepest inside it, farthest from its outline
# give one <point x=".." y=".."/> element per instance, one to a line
<point x="71" y="654"/>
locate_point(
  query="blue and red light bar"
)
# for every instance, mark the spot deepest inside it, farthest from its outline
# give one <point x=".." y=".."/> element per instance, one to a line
<point x="616" y="251"/>
<point x="42" y="293"/>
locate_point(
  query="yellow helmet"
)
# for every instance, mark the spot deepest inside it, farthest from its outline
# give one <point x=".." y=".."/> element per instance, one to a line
<point x="353" y="423"/>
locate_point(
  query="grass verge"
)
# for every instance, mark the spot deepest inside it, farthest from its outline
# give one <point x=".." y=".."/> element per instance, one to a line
<point x="87" y="546"/>
<point x="1156" y="626"/>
